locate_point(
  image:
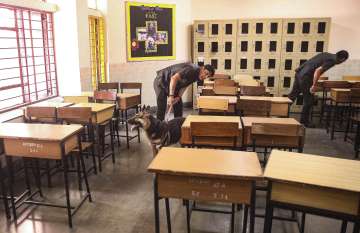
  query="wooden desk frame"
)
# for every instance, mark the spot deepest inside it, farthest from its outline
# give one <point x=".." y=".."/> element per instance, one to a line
<point x="61" y="152"/>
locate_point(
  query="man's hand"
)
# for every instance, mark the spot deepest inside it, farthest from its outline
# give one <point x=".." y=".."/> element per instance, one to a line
<point x="312" y="89"/>
<point x="170" y="100"/>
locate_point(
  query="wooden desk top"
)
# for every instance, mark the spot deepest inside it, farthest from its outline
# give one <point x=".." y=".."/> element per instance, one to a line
<point x="232" y="99"/>
<point x="52" y="104"/>
<point x="207" y="163"/>
<point x="314" y="170"/>
<point x="46" y="132"/>
<point x="204" y="118"/>
<point x="95" y="107"/>
<point x="272" y="99"/>
<point x="120" y="95"/>
<point x="248" y="121"/>
<point x="341" y="89"/>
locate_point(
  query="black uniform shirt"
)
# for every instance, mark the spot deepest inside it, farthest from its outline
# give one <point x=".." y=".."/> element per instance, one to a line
<point x="325" y="60"/>
<point x="188" y="72"/>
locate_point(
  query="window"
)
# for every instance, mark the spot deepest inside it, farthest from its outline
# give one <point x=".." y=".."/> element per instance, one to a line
<point x="27" y="57"/>
<point x="92" y="4"/>
<point x="97" y="50"/>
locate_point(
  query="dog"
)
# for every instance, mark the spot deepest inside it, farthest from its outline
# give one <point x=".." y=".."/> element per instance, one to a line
<point x="160" y="133"/>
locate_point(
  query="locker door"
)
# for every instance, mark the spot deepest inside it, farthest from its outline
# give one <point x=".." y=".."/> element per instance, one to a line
<point x="258" y="27"/>
<point x="201" y="47"/>
<point x="258" y="64"/>
<point x="273" y="28"/>
<point x="244" y="27"/>
<point x="291" y="27"/>
<point x="271" y="83"/>
<point x="229" y="47"/>
<point x="215" y="47"/>
<point x="244" y="46"/>
<point x="229" y="29"/>
<point x="318" y="46"/>
<point x="215" y="29"/>
<point x="272" y="64"/>
<point x="288" y="45"/>
<point x="306" y="27"/>
<point x="228" y="65"/>
<point x="273" y="46"/>
<point x="201" y="29"/>
<point x="258" y="46"/>
<point x="322" y="27"/>
<point x="243" y="65"/>
<point x="216" y="63"/>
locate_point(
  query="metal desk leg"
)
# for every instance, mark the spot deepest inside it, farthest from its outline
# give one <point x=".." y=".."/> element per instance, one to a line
<point x="252" y="208"/>
<point x="66" y="181"/>
<point x="11" y="183"/>
<point x="168" y="215"/>
<point x="156" y="206"/>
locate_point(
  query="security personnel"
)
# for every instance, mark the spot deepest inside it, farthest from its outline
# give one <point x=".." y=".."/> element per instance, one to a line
<point x="306" y="77"/>
<point x="171" y="82"/>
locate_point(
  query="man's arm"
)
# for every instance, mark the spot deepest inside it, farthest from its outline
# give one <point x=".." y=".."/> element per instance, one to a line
<point x="173" y="81"/>
<point x="318" y="72"/>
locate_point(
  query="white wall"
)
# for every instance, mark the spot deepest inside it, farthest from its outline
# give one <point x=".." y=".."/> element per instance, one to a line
<point x="122" y="71"/>
<point x="67" y="47"/>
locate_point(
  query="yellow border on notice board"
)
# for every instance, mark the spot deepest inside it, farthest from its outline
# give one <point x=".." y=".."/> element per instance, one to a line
<point x="173" y="7"/>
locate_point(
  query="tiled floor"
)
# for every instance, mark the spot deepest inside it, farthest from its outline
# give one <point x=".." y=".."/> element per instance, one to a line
<point x="123" y="200"/>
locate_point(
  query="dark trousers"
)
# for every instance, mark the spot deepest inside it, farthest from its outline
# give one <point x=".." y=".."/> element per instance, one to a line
<point x="302" y="84"/>
<point x="161" y="100"/>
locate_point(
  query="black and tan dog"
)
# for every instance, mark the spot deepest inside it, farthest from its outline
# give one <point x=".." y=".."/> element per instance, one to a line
<point x="159" y="133"/>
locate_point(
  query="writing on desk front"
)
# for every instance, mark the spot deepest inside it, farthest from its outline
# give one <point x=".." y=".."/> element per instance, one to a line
<point x="33" y="147"/>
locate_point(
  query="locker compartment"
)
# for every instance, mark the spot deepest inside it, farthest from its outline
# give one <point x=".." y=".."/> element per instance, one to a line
<point x="229" y="47"/>
<point x="286" y="83"/>
<point x="201" y="47"/>
<point x="271" y="64"/>
<point x="302" y="61"/>
<point x="215" y="28"/>
<point x="229" y="29"/>
<point x="321" y="27"/>
<point x="306" y="25"/>
<point x="318" y="46"/>
<point x="273" y="28"/>
<point x="243" y="65"/>
<point x="259" y="28"/>
<point x="288" y="64"/>
<point x="245" y="27"/>
<point x="215" y="47"/>
<point x="214" y="61"/>
<point x="258" y="46"/>
<point x="227" y="65"/>
<point x="244" y="46"/>
<point x="273" y="46"/>
<point x="304" y="46"/>
<point x="201" y="29"/>
<point x="291" y="27"/>
<point x="289" y="46"/>
<point x="257" y="64"/>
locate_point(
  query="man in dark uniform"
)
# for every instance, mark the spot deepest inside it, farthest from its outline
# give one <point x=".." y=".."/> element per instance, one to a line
<point x="171" y="82"/>
<point x="308" y="74"/>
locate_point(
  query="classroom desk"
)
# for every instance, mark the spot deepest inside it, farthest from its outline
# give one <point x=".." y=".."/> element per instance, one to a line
<point x="51" y="104"/>
<point x="232" y="103"/>
<point x="41" y="141"/>
<point x="280" y="106"/>
<point x="128" y="100"/>
<point x="210" y="90"/>
<point x="340" y="95"/>
<point x="100" y="112"/>
<point x="186" y="134"/>
<point x="313" y="184"/>
<point x="205" y="175"/>
<point x="278" y="140"/>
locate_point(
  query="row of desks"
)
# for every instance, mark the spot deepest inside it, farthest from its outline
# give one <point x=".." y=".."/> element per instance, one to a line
<point x="307" y="183"/>
<point x="244" y="138"/>
<point x="280" y="106"/>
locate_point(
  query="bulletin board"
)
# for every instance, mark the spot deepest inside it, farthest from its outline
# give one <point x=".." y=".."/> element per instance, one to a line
<point x="150" y="31"/>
